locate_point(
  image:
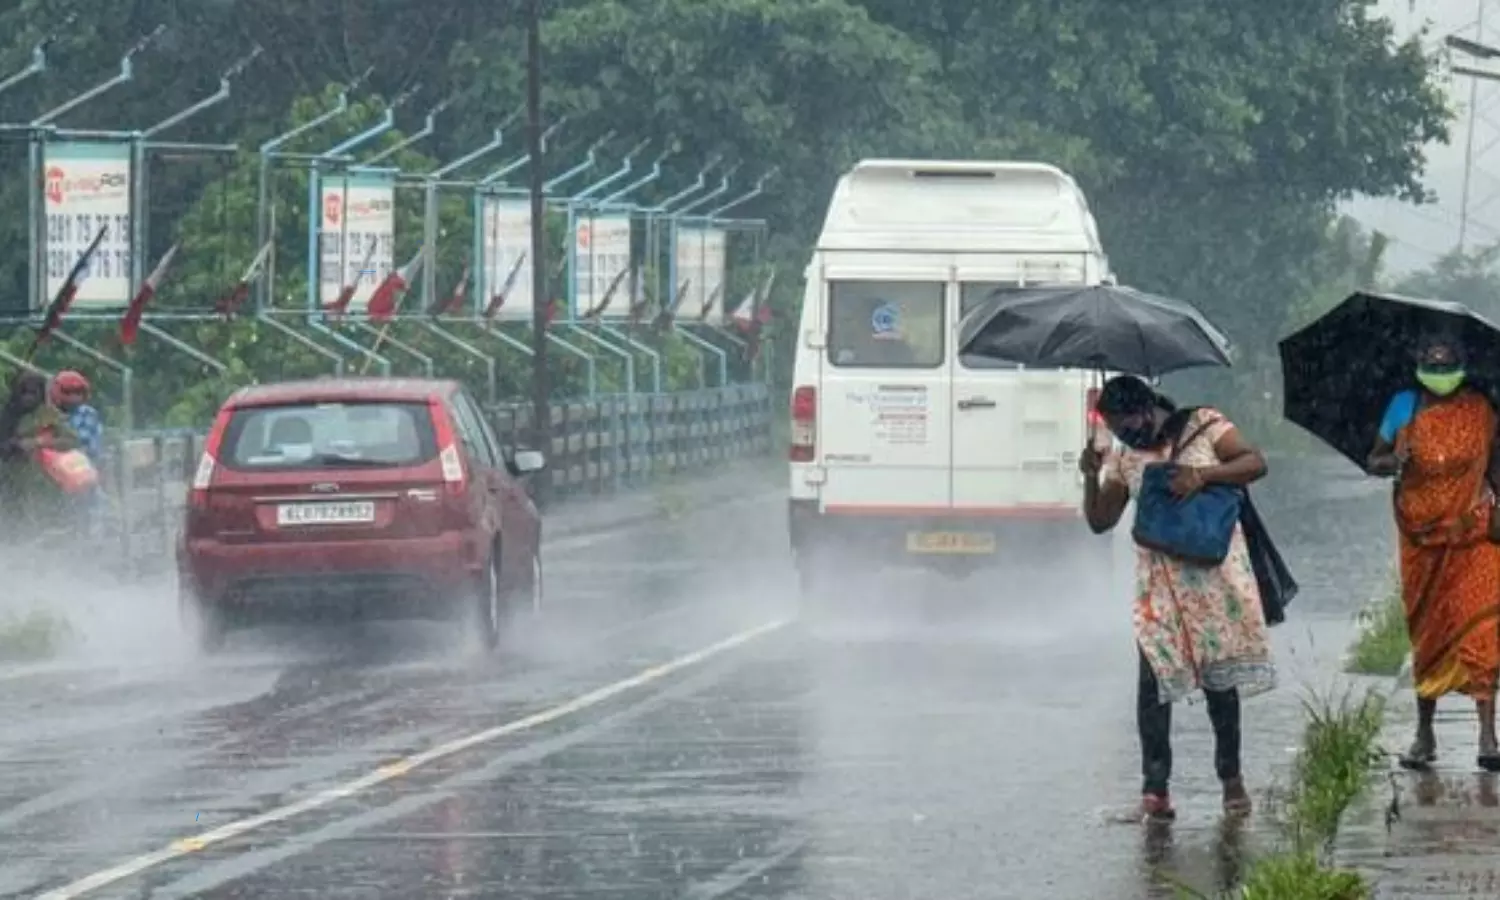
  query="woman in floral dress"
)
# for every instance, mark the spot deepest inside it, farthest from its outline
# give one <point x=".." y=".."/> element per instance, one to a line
<point x="1196" y="627"/>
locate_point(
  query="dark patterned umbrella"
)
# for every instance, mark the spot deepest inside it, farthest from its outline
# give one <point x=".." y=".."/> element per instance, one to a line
<point x="1339" y="373"/>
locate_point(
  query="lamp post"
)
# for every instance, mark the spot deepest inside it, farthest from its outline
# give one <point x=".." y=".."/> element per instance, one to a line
<point x="541" y="388"/>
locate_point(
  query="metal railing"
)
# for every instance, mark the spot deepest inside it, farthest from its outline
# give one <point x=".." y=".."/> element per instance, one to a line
<point x="598" y="446"/>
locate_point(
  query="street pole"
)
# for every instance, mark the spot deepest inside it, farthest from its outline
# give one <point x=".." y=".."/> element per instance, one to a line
<point x="1473" y="111"/>
<point x="541" y="410"/>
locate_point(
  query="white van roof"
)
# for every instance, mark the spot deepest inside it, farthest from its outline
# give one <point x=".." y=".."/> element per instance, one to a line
<point x="959" y="206"/>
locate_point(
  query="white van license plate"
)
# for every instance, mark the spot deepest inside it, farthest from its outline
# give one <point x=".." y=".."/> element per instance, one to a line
<point x="293" y="514"/>
<point x="950" y="542"/>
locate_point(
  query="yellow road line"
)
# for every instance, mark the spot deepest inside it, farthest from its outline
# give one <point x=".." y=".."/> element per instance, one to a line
<point x="188" y="845"/>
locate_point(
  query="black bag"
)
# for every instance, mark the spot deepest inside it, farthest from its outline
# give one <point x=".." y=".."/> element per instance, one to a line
<point x="1277" y="586"/>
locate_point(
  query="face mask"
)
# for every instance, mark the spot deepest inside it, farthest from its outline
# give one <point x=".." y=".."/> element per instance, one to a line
<point x="1441" y="383"/>
<point x="1140" y="437"/>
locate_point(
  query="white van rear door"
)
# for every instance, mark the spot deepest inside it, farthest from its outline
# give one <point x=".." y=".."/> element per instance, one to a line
<point x="884" y="400"/>
<point x="1016" y="432"/>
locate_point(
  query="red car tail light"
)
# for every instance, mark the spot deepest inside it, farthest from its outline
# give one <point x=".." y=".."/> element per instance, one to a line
<point x="454" y="477"/>
<point x="804" y="424"/>
<point x="207" y="463"/>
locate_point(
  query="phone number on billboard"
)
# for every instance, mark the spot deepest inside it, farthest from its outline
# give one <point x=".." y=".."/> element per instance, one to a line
<point x="69" y="235"/>
<point x="359" y="244"/>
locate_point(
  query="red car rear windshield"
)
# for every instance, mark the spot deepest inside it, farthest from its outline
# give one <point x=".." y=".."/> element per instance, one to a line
<point x="329" y="436"/>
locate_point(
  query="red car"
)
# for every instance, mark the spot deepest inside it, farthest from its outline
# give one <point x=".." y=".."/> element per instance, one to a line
<point x="358" y="497"/>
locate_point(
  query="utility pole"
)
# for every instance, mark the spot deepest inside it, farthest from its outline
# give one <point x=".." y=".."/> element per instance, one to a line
<point x="541" y="389"/>
<point x="1463" y="213"/>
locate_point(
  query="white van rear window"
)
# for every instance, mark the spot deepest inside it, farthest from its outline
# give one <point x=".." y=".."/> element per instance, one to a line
<point x="885" y="324"/>
<point x="972" y="294"/>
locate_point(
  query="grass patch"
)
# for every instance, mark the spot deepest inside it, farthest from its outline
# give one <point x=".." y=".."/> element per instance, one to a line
<point x="1333" y="767"/>
<point x="1330" y="772"/>
<point x="1383" y="641"/>
<point x="1300" y="876"/>
<point x="36" y="635"/>
<point x="672" y="502"/>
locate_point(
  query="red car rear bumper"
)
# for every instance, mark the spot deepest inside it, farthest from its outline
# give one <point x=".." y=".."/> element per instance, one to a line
<point x="411" y="572"/>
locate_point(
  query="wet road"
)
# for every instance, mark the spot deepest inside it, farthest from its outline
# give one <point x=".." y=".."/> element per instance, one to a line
<point x="668" y="731"/>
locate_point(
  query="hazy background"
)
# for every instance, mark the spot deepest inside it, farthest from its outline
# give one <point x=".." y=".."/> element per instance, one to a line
<point x="1421" y="234"/>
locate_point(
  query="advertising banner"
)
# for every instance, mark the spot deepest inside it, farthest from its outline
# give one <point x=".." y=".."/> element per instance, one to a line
<point x="87" y="187"/>
<point x="688" y="255"/>
<point x="715" y="271"/>
<point x="601" y="246"/>
<point x="356" y="236"/>
<point x="505" y="236"/>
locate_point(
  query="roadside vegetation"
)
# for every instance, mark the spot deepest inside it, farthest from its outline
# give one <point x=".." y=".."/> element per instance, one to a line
<point x="34" y="636"/>
<point x="1382" y="644"/>
<point x="1332" y="769"/>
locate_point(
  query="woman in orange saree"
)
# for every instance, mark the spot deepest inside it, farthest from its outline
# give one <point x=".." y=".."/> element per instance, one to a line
<point x="1439" y="443"/>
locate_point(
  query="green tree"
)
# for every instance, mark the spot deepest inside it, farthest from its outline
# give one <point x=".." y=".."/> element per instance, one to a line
<point x="1472" y="279"/>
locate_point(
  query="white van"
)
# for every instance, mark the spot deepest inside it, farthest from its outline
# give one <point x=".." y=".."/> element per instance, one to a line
<point x="901" y="449"/>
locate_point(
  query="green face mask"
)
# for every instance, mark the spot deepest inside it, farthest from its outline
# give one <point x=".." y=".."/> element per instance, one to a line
<point x="1441" y="383"/>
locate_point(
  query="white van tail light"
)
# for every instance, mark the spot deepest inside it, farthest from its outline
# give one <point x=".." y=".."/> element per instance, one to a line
<point x="1098" y="431"/>
<point x="203" y="477"/>
<point x="447" y="440"/>
<point x="804" y="424"/>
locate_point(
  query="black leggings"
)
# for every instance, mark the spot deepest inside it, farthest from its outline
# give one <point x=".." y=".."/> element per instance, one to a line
<point x="1154" y="720"/>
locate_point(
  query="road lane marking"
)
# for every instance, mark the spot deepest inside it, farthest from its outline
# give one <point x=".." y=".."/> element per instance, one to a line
<point x="189" y="845"/>
<point x="261" y="853"/>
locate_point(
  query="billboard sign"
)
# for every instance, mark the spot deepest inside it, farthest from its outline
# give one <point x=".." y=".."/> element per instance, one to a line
<point x="505" y="242"/>
<point x="356" y="235"/>
<point x="715" y="271"/>
<point x="87" y="187"/>
<point x="688" y="259"/>
<point x="601" y="248"/>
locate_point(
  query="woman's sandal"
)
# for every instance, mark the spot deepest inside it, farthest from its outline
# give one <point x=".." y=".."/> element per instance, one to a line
<point x="1236" y="799"/>
<point x="1490" y="762"/>
<point x="1418" y="759"/>
<point x="1157" y="808"/>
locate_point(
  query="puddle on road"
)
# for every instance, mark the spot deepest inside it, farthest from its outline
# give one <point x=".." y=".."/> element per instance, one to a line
<point x="1427" y="834"/>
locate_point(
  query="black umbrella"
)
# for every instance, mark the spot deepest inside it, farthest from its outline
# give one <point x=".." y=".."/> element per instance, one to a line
<point x="1103" y="327"/>
<point x="1339" y="373"/>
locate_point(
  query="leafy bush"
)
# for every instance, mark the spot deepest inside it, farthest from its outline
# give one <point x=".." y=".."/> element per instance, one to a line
<point x="36" y="635"/>
<point x="1383" y="642"/>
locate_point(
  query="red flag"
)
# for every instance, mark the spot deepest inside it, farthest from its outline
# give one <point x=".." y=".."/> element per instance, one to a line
<point x="492" y="308"/>
<point x="708" y="303"/>
<point x="387" y="297"/>
<point x="228" y="304"/>
<point x="638" y="300"/>
<point x="454" y="301"/>
<point x="340" y="303"/>
<point x="609" y="293"/>
<point x="553" y="307"/>
<point x="64" y="299"/>
<point x="743" y="316"/>
<point x="666" y="317"/>
<point x="130" y="326"/>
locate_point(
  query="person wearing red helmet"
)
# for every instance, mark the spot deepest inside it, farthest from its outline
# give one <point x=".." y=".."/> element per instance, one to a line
<point x="70" y="393"/>
<point x="30" y="502"/>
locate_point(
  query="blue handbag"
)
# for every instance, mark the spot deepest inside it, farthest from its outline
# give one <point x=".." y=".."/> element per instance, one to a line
<point x="1196" y="530"/>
